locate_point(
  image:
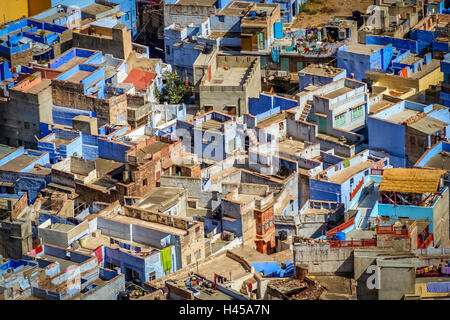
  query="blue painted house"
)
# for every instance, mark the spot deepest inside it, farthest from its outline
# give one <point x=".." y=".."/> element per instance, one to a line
<point x="445" y="91"/>
<point x="19" y="36"/>
<point x="359" y="58"/>
<point x="24" y="170"/>
<point x="390" y="122"/>
<point x="128" y="7"/>
<point x="345" y="181"/>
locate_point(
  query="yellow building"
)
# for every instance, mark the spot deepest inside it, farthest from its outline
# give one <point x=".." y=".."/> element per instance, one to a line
<point x="403" y="87"/>
<point x="37" y="6"/>
<point x="13" y="9"/>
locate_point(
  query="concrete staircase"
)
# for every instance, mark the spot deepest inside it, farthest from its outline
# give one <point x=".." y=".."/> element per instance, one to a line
<point x="305" y="112"/>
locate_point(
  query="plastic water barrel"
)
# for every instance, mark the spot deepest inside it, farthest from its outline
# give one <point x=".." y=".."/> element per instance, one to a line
<point x="340" y="236"/>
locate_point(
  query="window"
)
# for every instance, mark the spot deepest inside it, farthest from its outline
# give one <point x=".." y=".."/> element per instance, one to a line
<point x="152" y="276"/>
<point x="144" y="182"/>
<point x="26" y="125"/>
<point x="266" y="226"/>
<point x="188" y="258"/>
<point x="366" y="173"/>
<point x="197" y="254"/>
<point x="339" y="120"/>
<point x="168" y="50"/>
<point x="259" y="228"/>
<point x="221" y="18"/>
<point x="213" y="153"/>
<point x="263" y="62"/>
<point x="412" y="139"/>
<point x="260" y="39"/>
<point x="351" y="181"/>
<point x="357" y="112"/>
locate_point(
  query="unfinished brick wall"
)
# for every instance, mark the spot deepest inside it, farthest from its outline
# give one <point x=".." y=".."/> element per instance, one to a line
<point x="112" y="110"/>
<point x="19" y="206"/>
<point x="89" y="194"/>
<point x="141" y="178"/>
<point x="192" y="243"/>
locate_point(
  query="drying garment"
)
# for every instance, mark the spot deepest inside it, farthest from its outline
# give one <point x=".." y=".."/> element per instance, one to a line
<point x="99" y="254"/>
<point x="166" y="258"/>
<point x="438" y="287"/>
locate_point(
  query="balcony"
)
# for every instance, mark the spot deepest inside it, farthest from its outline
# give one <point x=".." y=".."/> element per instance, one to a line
<point x="363" y="243"/>
<point x="402" y="233"/>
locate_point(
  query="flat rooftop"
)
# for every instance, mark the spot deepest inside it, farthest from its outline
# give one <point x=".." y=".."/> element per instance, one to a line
<point x="60" y="227"/>
<point x="380" y="105"/>
<point x="411" y="59"/>
<point x="318" y="211"/>
<point x="93" y="243"/>
<point x="290" y="146"/>
<point x="211" y="125"/>
<point x="105" y="166"/>
<point x="79" y="76"/>
<point x="63" y="263"/>
<point x="231" y="77"/>
<point x="338" y="92"/>
<point x="246" y="198"/>
<point x="343" y="175"/>
<point x="164" y="197"/>
<point x="259" y="8"/>
<point x="402" y="116"/>
<point x="149" y="225"/>
<point x="333" y="139"/>
<point x="236" y="8"/>
<point x="151" y="149"/>
<point x="440" y="161"/>
<point x="96" y="8"/>
<point x="363" y="49"/>
<point x="324" y="71"/>
<point x="426" y="69"/>
<point x="37" y="87"/>
<point x="5" y="149"/>
<point x="60" y="142"/>
<point x="71" y="63"/>
<point x="428" y="125"/>
<point x="52" y="17"/>
<point x="206" y="3"/>
<point x="272" y="119"/>
<point x="19" y="163"/>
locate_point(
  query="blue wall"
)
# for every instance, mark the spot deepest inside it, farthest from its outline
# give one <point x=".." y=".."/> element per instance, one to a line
<point x="267" y="105"/>
<point x="360" y="63"/>
<point x="405" y="44"/>
<point x="389" y="137"/>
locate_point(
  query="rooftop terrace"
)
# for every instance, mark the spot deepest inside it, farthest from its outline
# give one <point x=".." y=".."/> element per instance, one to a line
<point x="324" y="71"/>
<point x="363" y="49"/>
<point x="343" y="175"/>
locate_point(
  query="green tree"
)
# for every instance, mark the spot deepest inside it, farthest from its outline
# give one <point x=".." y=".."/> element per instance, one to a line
<point x="174" y="91"/>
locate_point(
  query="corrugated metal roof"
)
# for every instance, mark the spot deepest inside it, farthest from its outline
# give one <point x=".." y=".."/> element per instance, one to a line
<point x="411" y="180"/>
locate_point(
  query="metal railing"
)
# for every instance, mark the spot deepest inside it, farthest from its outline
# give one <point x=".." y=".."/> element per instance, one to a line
<point x="353" y="243"/>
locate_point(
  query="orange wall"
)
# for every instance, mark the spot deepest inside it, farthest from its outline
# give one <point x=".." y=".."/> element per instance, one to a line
<point x="37" y="6"/>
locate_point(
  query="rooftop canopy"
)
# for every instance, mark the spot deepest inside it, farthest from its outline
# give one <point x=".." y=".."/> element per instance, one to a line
<point x="411" y="180"/>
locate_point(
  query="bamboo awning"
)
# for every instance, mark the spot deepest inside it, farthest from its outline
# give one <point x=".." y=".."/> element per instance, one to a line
<point x="411" y="180"/>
